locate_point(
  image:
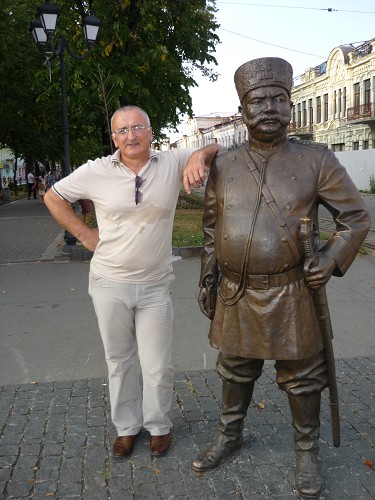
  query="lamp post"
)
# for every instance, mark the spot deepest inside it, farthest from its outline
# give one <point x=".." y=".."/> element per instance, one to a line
<point x="43" y="30"/>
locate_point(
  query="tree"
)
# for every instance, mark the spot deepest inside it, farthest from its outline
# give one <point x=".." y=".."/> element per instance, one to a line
<point x="24" y="125"/>
<point x="146" y="55"/>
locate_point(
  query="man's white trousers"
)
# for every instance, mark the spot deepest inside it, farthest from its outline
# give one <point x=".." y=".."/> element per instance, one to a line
<point x="131" y="317"/>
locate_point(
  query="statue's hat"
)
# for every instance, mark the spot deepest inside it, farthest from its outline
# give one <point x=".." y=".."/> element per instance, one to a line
<point x="263" y="72"/>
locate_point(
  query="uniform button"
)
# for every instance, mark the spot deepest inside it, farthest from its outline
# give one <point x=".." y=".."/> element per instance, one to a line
<point x="285" y="266"/>
<point x="232" y="158"/>
<point x="230" y="179"/>
<point x="284" y="240"/>
<point x="294" y="177"/>
<point x="229" y="207"/>
<point x="288" y="207"/>
<point x="226" y="265"/>
<point x="225" y="236"/>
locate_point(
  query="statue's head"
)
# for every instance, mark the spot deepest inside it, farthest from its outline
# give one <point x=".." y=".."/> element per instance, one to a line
<point x="264" y="86"/>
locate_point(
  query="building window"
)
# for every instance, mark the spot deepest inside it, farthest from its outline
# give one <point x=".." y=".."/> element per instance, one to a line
<point x="344" y="101"/>
<point x="304" y="114"/>
<point x="339" y="103"/>
<point x="355" y="146"/>
<point x="365" y="145"/>
<point x="318" y="110"/>
<point x="311" y="113"/>
<point x="293" y="114"/>
<point x="356" y="95"/>
<point x="325" y="97"/>
<point x="334" y="103"/>
<point x="299" y="122"/>
<point x="244" y="135"/>
<point x="367" y="91"/>
<point x="338" y="147"/>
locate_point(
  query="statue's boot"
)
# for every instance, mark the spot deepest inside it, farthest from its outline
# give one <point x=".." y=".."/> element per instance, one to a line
<point x="306" y="422"/>
<point x="236" y="400"/>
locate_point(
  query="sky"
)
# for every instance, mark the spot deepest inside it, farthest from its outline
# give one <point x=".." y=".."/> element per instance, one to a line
<point x="301" y="31"/>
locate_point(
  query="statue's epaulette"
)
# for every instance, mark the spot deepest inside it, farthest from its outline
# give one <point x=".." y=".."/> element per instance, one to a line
<point x="229" y="149"/>
<point x="305" y="142"/>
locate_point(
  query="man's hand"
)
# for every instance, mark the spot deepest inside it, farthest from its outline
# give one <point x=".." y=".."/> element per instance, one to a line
<point x="198" y="165"/>
<point x="320" y="273"/>
<point x="91" y="239"/>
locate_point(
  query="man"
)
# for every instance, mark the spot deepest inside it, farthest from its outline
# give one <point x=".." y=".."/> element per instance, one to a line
<point x="135" y="192"/>
<point x="31" y="186"/>
<point x="256" y="195"/>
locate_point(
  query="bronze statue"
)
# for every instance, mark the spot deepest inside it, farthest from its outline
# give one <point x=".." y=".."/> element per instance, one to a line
<point x="254" y="285"/>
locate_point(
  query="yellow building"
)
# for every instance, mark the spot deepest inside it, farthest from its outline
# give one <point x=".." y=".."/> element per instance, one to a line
<point x="334" y="102"/>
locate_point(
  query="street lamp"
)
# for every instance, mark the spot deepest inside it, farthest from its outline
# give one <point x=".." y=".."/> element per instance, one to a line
<point x="43" y="29"/>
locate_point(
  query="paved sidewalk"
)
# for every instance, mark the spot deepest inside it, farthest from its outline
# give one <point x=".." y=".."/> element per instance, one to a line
<point x="28" y="232"/>
<point x="56" y="436"/>
<point x="56" y="442"/>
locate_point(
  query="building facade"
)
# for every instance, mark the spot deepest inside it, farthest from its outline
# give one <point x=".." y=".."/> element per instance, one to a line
<point x="332" y="103"/>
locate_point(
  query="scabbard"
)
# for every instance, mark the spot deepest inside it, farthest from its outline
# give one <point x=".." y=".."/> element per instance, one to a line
<point x="310" y="245"/>
<point x="321" y="307"/>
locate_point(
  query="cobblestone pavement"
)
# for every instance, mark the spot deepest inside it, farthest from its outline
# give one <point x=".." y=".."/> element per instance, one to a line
<point x="56" y="438"/>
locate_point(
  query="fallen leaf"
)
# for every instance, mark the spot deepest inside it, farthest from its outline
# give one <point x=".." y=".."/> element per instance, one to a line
<point x="369" y="463"/>
<point x="261" y="405"/>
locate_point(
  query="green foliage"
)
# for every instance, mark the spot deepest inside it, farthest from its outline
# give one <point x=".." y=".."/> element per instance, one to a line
<point x="372" y="184"/>
<point x="147" y="53"/>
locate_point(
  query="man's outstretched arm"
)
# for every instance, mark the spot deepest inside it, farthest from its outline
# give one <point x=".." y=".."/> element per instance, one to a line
<point x="198" y="165"/>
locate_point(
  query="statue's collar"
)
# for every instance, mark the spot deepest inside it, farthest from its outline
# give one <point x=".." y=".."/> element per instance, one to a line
<point x="271" y="148"/>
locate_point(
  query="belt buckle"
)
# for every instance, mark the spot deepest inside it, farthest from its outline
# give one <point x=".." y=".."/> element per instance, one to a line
<point x="259" y="281"/>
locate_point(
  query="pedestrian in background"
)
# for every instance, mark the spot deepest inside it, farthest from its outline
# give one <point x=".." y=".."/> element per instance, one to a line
<point x="31" y="185"/>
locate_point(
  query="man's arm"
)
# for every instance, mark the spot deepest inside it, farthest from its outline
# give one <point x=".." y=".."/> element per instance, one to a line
<point x="65" y="216"/>
<point x="198" y="165"/>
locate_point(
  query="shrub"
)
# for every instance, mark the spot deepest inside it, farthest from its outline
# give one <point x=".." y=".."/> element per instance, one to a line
<point x="372" y="184"/>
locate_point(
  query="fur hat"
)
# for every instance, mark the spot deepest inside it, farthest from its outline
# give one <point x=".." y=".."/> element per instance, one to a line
<point x="263" y="72"/>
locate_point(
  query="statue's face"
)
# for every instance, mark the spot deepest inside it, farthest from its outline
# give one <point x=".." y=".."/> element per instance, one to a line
<point x="266" y="113"/>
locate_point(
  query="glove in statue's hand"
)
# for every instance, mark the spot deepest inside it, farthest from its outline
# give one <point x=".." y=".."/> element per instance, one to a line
<point x="203" y="303"/>
<point x="320" y="273"/>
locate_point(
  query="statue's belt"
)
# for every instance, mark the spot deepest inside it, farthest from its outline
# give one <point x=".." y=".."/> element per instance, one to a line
<point x="265" y="281"/>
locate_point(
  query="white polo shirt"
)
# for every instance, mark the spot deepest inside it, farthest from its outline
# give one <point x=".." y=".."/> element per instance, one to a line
<point x="135" y="240"/>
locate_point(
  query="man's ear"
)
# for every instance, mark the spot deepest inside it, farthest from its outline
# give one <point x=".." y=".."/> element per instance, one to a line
<point x="113" y="136"/>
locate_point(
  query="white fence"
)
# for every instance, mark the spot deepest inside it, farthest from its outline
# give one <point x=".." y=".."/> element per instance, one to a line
<point x="360" y="165"/>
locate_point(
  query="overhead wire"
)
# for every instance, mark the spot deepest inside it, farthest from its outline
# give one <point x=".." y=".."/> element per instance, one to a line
<point x="328" y="9"/>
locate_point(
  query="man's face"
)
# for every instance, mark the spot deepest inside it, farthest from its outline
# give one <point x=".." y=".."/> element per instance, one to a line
<point x="134" y="144"/>
<point x="266" y="113"/>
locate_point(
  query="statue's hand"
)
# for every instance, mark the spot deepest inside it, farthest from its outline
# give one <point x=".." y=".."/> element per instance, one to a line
<point x="203" y="303"/>
<point x="320" y="273"/>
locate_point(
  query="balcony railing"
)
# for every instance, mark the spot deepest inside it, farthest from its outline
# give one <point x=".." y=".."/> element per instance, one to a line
<point x="362" y="111"/>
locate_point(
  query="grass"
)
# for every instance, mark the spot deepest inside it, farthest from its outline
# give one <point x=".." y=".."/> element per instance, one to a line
<point x="187" y="228"/>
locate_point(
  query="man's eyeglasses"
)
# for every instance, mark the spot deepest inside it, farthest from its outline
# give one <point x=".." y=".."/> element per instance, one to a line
<point x="138" y="184"/>
<point x="137" y="129"/>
